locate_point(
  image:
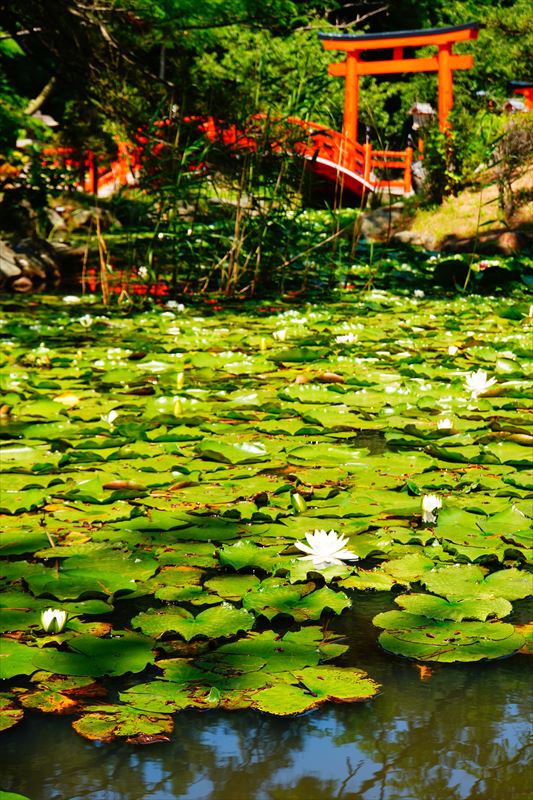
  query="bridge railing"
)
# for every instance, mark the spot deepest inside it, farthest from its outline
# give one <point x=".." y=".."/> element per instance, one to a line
<point x="362" y="159"/>
<point x="388" y="160"/>
<point x="88" y="170"/>
<point x="315" y="142"/>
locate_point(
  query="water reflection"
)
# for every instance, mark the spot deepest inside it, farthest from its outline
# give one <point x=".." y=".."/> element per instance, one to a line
<point x="460" y="733"/>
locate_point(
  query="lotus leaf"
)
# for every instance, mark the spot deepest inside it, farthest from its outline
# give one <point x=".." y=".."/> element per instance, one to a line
<point x="232" y="453"/>
<point x="369" y="579"/>
<point x="294" y="650"/>
<point x="247" y="554"/>
<point x="101" y="573"/>
<point x="513" y="584"/>
<point x="274" y="596"/>
<point x="232" y="587"/>
<point x="508" y="521"/>
<point x="478" y="608"/>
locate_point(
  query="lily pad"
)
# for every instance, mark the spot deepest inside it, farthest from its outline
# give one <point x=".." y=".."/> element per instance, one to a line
<point x="10" y="713"/>
<point x="444" y="640"/>
<point x="222" y="620"/>
<point x="478" y="608"/>
<point x="109" y="722"/>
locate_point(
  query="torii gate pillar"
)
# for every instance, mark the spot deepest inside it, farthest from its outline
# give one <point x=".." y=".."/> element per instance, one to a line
<point x="444" y="63"/>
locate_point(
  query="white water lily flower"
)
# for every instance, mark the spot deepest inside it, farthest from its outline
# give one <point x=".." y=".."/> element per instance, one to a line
<point x="347" y="338"/>
<point x="430" y="503"/>
<point x="111" y="417"/>
<point x="419" y="293"/>
<point x="444" y="424"/>
<point x="477" y="383"/>
<point x="325" y="549"/>
<point x="452" y="350"/>
<point x="54" y="620"/>
<point x="86" y="321"/>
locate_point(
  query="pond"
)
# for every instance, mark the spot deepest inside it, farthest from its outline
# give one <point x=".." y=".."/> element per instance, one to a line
<point x="441" y="733"/>
<point x="161" y="469"/>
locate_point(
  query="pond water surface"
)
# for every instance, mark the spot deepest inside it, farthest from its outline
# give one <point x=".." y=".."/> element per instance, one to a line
<point x="449" y="732"/>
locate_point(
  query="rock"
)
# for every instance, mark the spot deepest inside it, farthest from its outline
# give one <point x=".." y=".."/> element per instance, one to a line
<point x="87" y="217"/>
<point x="30" y="265"/>
<point x="414" y="239"/>
<point x="55" y="219"/>
<point x="22" y="285"/>
<point x="511" y="242"/>
<point x="504" y="243"/>
<point x="8" y="264"/>
<point x="381" y="222"/>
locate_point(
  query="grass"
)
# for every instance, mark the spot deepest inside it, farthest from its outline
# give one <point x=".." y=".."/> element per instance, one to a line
<point x="475" y="211"/>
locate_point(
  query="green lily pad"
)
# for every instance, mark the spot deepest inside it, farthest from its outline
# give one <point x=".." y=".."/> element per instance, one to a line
<point x="100" y="573"/>
<point x="236" y="453"/>
<point x="247" y="554"/>
<point x="462" y="581"/>
<point x="10" y="713"/>
<point x="88" y="655"/>
<point x="232" y="587"/>
<point x="222" y="620"/>
<point x="274" y="596"/>
<point x="477" y="608"/>
<point x="444" y="640"/>
<point x="294" y="650"/>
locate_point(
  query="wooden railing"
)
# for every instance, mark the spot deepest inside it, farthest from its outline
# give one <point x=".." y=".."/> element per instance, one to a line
<point x="87" y="169"/>
<point x="362" y="160"/>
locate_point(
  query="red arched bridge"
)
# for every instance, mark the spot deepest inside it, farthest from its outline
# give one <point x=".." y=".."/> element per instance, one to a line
<point x="350" y="166"/>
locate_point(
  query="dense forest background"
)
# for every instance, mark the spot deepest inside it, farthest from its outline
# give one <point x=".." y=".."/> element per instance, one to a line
<point x="106" y="67"/>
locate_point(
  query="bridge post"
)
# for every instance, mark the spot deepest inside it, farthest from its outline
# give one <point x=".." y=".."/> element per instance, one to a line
<point x="367" y="164"/>
<point x="92" y="168"/>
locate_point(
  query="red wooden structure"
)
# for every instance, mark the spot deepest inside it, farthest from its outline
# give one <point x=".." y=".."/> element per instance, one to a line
<point x="444" y="62"/>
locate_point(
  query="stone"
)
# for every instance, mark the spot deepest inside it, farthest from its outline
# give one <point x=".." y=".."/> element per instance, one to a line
<point x="505" y="243"/>
<point x="29" y="265"/>
<point x="414" y="239"/>
<point x="8" y="263"/>
<point x="381" y="222"/>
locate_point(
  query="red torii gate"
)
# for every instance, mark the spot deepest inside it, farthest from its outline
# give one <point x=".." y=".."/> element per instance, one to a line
<point x="444" y="62"/>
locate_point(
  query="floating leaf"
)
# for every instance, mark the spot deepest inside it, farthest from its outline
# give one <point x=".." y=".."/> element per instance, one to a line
<point x="107" y="723"/>
<point x="222" y="620"/>
<point x="236" y="453"/>
<point x="431" y="640"/>
<point x="10" y="713"/>
<point x="478" y="608"/>
<point x="274" y="597"/>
